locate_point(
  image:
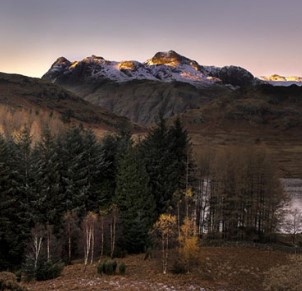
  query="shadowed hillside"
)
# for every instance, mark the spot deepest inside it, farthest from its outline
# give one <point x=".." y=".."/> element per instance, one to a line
<point x="266" y="115"/>
<point x="35" y="103"/>
<point x="143" y="100"/>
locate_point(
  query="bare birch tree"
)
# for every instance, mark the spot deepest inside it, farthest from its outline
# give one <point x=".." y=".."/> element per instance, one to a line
<point x="89" y="226"/>
<point x="102" y="214"/>
<point x="70" y="227"/>
<point x="38" y="234"/>
<point x="113" y="230"/>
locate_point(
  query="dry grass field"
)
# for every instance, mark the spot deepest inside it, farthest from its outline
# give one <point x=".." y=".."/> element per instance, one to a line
<point x="220" y="268"/>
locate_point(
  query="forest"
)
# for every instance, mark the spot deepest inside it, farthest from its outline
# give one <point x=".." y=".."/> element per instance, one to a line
<point x="73" y="196"/>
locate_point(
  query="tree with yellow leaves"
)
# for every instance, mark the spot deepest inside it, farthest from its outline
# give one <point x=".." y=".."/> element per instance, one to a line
<point x="165" y="227"/>
<point x="189" y="244"/>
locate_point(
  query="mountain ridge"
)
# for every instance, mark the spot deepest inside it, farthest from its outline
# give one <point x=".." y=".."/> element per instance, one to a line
<point x="167" y="83"/>
<point x="163" y="66"/>
<point x="278" y="80"/>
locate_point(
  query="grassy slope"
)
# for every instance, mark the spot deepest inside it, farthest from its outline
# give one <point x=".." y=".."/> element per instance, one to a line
<point x="35" y="102"/>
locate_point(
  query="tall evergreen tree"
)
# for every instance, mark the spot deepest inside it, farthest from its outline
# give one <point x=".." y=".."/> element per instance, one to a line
<point x="165" y="152"/>
<point x="73" y="170"/>
<point x="180" y="151"/>
<point x="95" y="164"/>
<point x="49" y="200"/>
<point x="7" y="204"/>
<point x="113" y="147"/>
<point x="135" y="201"/>
<point x="21" y="175"/>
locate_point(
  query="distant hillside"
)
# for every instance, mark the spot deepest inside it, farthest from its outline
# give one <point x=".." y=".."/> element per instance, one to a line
<point x="143" y="100"/>
<point x="264" y="115"/>
<point x="35" y="103"/>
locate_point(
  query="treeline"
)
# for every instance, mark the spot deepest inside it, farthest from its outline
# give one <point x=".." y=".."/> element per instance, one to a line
<point x="240" y="194"/>
<point x="73" y="196"/>
<point x="52" y="186"/>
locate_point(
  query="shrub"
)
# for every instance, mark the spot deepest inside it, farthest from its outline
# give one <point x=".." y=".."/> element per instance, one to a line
<point x="28" y="269"/>
<point x="45" y="270"/>
<point x="8" y="281"/>
<point x="49" y="270"/>
<point x="179" y="267"/>
<point x="101" y="267"/>
<point x="114" y="266"/>
<point x="122" y="268"/>
<point x="107" y="267"/>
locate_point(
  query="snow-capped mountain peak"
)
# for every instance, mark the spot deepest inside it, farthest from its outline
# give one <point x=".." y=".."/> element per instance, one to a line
<point x="163" y="66"/>
<point x="278" y="80"/>
<point x="171" y="58"/>
<point x="61" y="62"/>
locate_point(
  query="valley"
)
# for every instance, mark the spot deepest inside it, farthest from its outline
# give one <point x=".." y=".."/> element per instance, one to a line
<point x="150" y="145"/>
<point x="236" y="111"/>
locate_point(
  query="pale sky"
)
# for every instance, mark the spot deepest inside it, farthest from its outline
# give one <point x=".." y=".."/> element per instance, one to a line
<point x="263" y="36"/>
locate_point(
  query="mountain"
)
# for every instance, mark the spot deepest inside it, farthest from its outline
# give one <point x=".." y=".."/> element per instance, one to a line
<point x="36" y="103"/>
<point x="163" y="66"/>
<point x="277" y="80"/>
<point x="219" y="106"/>
<point x="232" y="75"/>
<point x="167" y="84"/>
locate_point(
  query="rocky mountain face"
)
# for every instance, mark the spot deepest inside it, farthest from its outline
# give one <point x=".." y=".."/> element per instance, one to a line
<point x="163" y="66"/>
<point x="233" y="75"/>
<point x="167" y="84"/>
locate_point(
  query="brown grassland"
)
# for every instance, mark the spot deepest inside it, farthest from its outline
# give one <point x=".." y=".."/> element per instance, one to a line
<point x="220" y="268"/>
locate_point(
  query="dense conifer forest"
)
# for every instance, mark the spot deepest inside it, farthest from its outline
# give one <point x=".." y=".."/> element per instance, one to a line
<point x="73" y="196"/>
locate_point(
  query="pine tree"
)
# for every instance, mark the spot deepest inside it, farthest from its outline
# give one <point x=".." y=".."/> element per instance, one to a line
<point x="134" y="200"/>
<point x="23" y="167"/>
<point x="180" y="150"/>
<point x="113" y="147"/>
<point x="96" y="165"/>
<point x="73" y="170"/>
<point x="165" y="153"/>
<point x="21" y="176"/>
<point x="49" y="202"/>
<point x="109" y="151"/>
<point x="7" y="201"/>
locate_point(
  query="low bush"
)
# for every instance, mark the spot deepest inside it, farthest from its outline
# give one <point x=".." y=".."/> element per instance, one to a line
<point x="179" y="267"/>
<point x="8" y="281"/>
<point x="107" y="267"/>
<point x="122" y="268"/>
<point x="45" y="270"/>
<point x="49" y="270"/>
